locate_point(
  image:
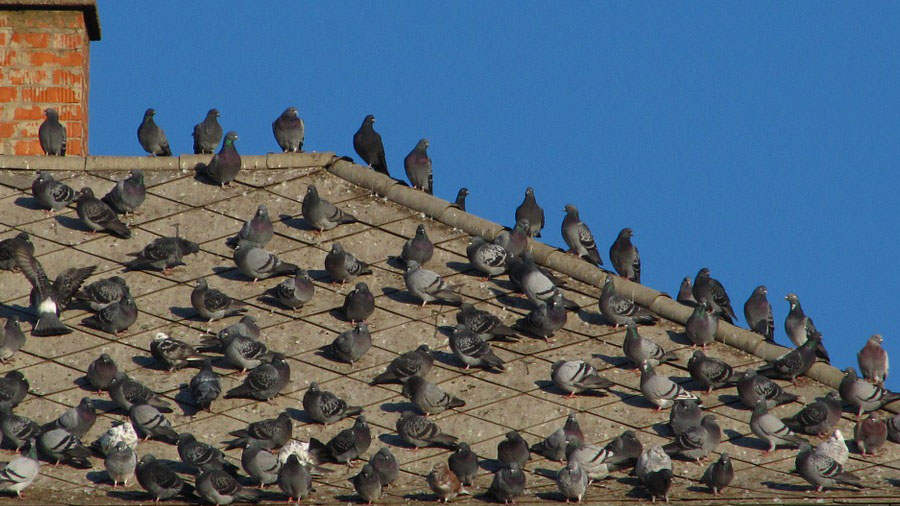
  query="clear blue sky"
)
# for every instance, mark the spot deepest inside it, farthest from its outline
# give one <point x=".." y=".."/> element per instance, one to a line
<point x="759" y="141"/>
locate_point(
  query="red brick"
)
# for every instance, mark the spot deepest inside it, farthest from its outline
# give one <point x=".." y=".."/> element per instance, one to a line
<point x="6" y="58"/>
<point x="73" y="129"/>
<point x="30" y="147"/>
<point x="8" y="93"/>
<point x="66" y="77"/>
<point x="19" y="77"/>
<point x="51" y="19"/>
<point x="35" y="40"/>
<point x="7" y="128"/>
<point x="68" y="40"/>
<point x="70" y="112"/>
<point x="33" y="113"/>
<point x="28" y="129"/>
<point x="65" y="59"/>
<point x="50" y="95"/>
<point x="73" y="147"/>
<point x="2" y="38"/>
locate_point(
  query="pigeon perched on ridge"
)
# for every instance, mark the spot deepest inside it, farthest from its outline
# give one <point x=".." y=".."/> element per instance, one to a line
<point x="101" y="371"/>
<point x="822" y="471"/>
<point x="578" y="237"/>
<point x="531" y="211"/>
<point x="159" y="480"/>
<point x="489" y="258"/>
<point x="271" y="433"/>
<point x="11" y="339"/>
<point x="512" y="450"/>
<point x="367" y="144"/>
<point x="52" y="134"/>
<point x="257" y="231"/>
<point x="484" y="323"/>
<point x="350" y="345"/>
<point x="753" y="388"/>
<point x="793" y="363"/>
<point x="120" y="463"/>
<point x="472" y="350"/>
<point x="620" y="310"/>
<point x="257" y="263"/>
<point x="544" y="320"/>
<point x="152" y="424"/>
<point x="345" y="447"/>
<point x="710" y="372"/>
<point x="128" y="194"/>
<point x="8" y="247"/>
<point x="324" y="407"/>
<point x="863" y="395"/>
<point x="719" y="474"/>
<point x="207" y="133"/>
<point x="685" y="414"/>
<point x="508" y="484"/>
<point x="418" y="248"/>
<point x="125" y="391"/>
<point x="264" y="381"/>
<point x="639" y="349"/>
<point x="50" y="193"/>
<point x="218" y="487"/>
<point x="100" y="294"/>
<point x="444" y="482"/>
<point x="294" y="479"/>
<point x="873" y="360"/>
<point x="420" y="432"/>
<point x="710" y="289"/>
<point x="686" y="292"/>
<point x="464" y="463"/>
<point x="698" y="441"/>
<point x="577" y="376"/>
<point x="205" y="386"/>
<point x="800" y="327"/>
<point x="294" y="292"/>
<point x="660" y="390"/>
<point x="418" y="168"/>
<point x="771" y="429"/>
<point x="624" y="256"/>
<point x="288" y="129"/>
<point x="870" y="434"/>
<point x="226" y="164"/>
<point x="342" y="266"/>
<point x="173" y="353"/>
<point x="819" y="417"/>
<point x="385" y="464"/>
<point x="212" y="304"/>
<point x="151" y="137"/>
<point x="758" y="313"/>
<point x="415" y="363"/>
<point x="163" y="253"/>
<point x="18" y="474"/>
<point x="431" y="399"/>
<point x="115" y="317"/>
<point x="359" y="303"/>
<point x="702" y="325"/>
<point x="429" y="286"/>
<point x="460" y="202"/>
<point x="367" y="484"/>
<point x="321" y="214"/>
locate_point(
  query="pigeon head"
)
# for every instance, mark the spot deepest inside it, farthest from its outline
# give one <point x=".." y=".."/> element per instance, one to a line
<point x="336" y="248"/>
<point x="51" y="114"/>
<point x="86" y="193"/>
<point x="262" y="211"/>
<point x="230" y="137"/>
<point x="877" y="339"/>
<point x="149" y="113"/>
<point x="761" y="289"/>
<point x="87" y="402"/>
<point x="522" y="225"/>
<point x="424" y="348"/>
<point x="698" y="355"/>
<point x="311" y="191"/>
<point x="420" y="231"/>
<point x="201" y="283"/>
<point x="464" y="192"/>
<point x="423" y="144"/>
<point x="147" y="458"/>
<point x="792" y="298"/>
<point x="571" y="209"/>
<point x="290" y="112"/>
<point x="313" y="387"/>
<point x="704" y="273"/>
<point x="749" y="373"/>
<point x="529" y="191"/>
<point x="626" y="233"/>
<point x="360" y="421"/>
<point x="686" y="281"/>
<point x="186" y="437"/>
<point x="462" y="448"/>
<point x="411" y="265"/>
<point x="369" y="120"/>
<point x="850" y="372"/>
<point x="213" y="113"/>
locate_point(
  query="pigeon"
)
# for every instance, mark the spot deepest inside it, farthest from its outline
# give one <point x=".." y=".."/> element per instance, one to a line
<point x="163" y="253"/>
<point x="261" y="465"/>
<point x="620" y="310"/>
<point x="173" y="353"/>
<point x="418" y="168"/>
<point x="245" y="352"/>
<point x="870" y="434"/>
<point x="264" y="381"/>
<point x="271" y="433"/>
<point x="347" y="446"/>
<point x="710" y="289"/>
<point x="289" y="131"/>
<point x="257" y="231"/>
<point x="800" y="327"/>
<point x="219" y="487"/>
<point x="758" y="313"/>
<point x="544" y="320"/>
<point x="515" y="241"/>
<point x="873" y="360"/>
<point x="17" y="429"/>
<point x="294" y="479"/>
<point x="660" y="390"/>
<point x="60" y="446"/>
<point x="50" y="193"/>
<point x="115" y="317"/>
<point x="324" y="407"/>
<point x="367" y="484"/>
<point x="100" y="372"/>
<point x="418" y="248"/>
<point x="201" y="456"/>
<point x="444" y="482"/>
<point x="863" y="395"/>
<point x="257" y="263"/>
<point x="593" y="459"/>
<point x="579" y="237"/>
<point x="512" y="450"/>
<point x="489" y="258"/>
<point x="125" y="392"/>
<point x="159" y="480"/>
<point x="719" y="474"/>
<point x="8" y="247"/>
<point x="52" y="134"/>
<point x="212" y="304"/>
<point x="685" y="414"/>
<point x="245" y="327"/>
<point x="321" y="214"/>
<point x="753" y="387"/>
<point x="508" y="484"/>
<point x="686" y="292"/>
<point x="415" y="363"/>
<point x="625" y="449"/>
<point x="770" y="429"/>
<point x="151" y="137"/>
<point x="702" y="325"/>
<point x="152" y="424"/>
<point x="385" y="464"/>
<point x="640" y="349"/>
<point x="698" y="441"/>
<point x="817" y="418"/>
<point x="13" y="388"/>
<point x="577" y="376"/>
<point x="460" y="202"/>
<point x="420" y="432"/>
<point x="18" y="474"/>
<point x="530" y="210"/>
<point x="653" y="460"/>
<point x="893" y="426"/>
<point x="473" y="351"/>
<point x="554" y="446"/>
<point x="428" y="397"/>
<point x="226" y="164"/>
<point x="11" y="339"/>
<point x="572" y="481"/>
<point x="835" y="447"/>
<point x="118" y="431"/>
<point x="367" y="144"/>
<point x="795" y="362"/>
<point x="658" y="484"/>
<point x="359" y="304"/>
<point x="624" y="256"/>
<point x="207" y="133"/>
<point x="464" y="464"/>
<point x="104" y="292"/>
<point x="429" y="286"/>
<point x="293" y="293"/>
<point x="710" y="372"/>
<point x="120" y="464"/>
<point x="537" y="284"/>
<point x="822" y="471"/>
<point x="351" y="345"/>
<point x="343" y="266"/>
<point x="484" y="323"/>
<point x="77" y="420"/>
<point x="205" y="386"/>
<point x="128" y="194"/>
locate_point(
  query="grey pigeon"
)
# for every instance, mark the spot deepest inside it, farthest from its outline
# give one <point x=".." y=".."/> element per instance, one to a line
<point x="163" y="253"/>
<point x="686" y="413"/>
<point x="151" y="137"/>
<point x="272" y="433"/>
<point x="553" y="446"/>
<point x="686" y="292"/>
<point x="709" y="288"/>
<point x="159" y="480"/>
<point x="460" y="202"/>
<point x="8" y="247"/>
<point x="579" y="237"/>
<point x="367" y="484"/>
<point x="17" y="429"/>
<point x="359" y="303"/>
<point x="100" y="372"/>
<point x="201" y="456"/>
<point x="220" y="488"/>
<point x="625" y="449"/>
<point x="544" y="320"/>
<point x="125" y="392"/>
<point x="207" y="133"/>
<point x="758" y="313"/>
<point x="863" y="395"/>
<point x="419" y="431"/>
<point x="325" y="407"/>
<point x="294" y="479"/>
<point x="800" y="327"/>
<point x="444" y="482"/>
<point x="205" y="386"/>
<point x="770" y="429"/>
<point x="660" y="390"/>
<point x="710" y="372"/>
<point x="593" y="459"/>
<point x="13" y="388"/>
<point x="835" y="447"/>
<point x="515" y="241"/>
<point x="50" y="193"/>
<point x="536" y="283"/>
<point x="472" y="350"/>
<point x="257" y="231"/>
<point x="343" y="266"/>
<point x="52" y="134"/>
<point x="60" y="446"/>
<point x="698" y="441"/>
<point x="173" y="353"/>
<point x="321" y="214"/>
<point x="128" y="194"/>
<point x="257" y="263"/>
<point x="385" y="464"/>
<point x="639" y="349"/>
<point x="893" y="426"/>
<point x="120" y="464"/>
<point x="351" y="345"/>
<point x="464" y="463"/>
<point x="819" y="417"/>
<point x="212" y="304"/>
<point x="621" y="310"/>
<point x="508" y="484"/>
<point x="261" y="465"/>
<point x="417" y="363"/>
<point x="152" y="424"/>
<point x="100" y="294"/>
<point x="822" y="471"/>
<point x="572" y="481"/>
<point x="577" y="376"/>
<point x="654" y="459"/>
<point x="487" y="257"/>
<point x="484" y="323"/>
<point x="429" y="286"/>
<point x="428" y="397"/>
<point x="418" y="248"/>
<point x="870" y="434"/>
<point x="18" y="474"/>
<point x="115" y="317"/>
<point x="418" y="168"/>
<point x="624" y="256"/>
<point x="226" y="164"/>
<point x="793" y="363"/>
<point x="512" y="450"/>
<point x="753" y="387"/>
<point x="11" y="338"/>
<point x="702" y="325"/>
<point x="264" y="382"/>
<point x="719" y="474"/>
<point x="245" y="327"/>
<point x="289" y="131"/>
<point x="347" y="446"/>
<point x="873" y="360"/>
<point x="77" y="420"/>
<point x="245" y="352"/>
<point x="367" y="144"/>
<point x="294" y="292"/>
<point x="531" y="211"/>
<point x="658" y="484"/>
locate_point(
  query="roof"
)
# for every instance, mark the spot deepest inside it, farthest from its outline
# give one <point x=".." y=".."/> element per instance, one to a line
<point x="88" y="7"/>
<point x="521" y="398"/>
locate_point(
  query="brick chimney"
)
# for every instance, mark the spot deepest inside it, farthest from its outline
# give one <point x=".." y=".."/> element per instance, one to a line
<point x="45" y="62"/>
